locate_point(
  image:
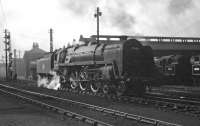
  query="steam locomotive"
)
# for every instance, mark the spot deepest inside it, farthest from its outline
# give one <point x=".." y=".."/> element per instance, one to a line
<point x="115" y="64"/>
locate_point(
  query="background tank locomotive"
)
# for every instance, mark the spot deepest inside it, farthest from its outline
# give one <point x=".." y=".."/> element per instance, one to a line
<point x="176" y="69"/>
<point x="111" y="66"/>
<point x="195" y="61"/>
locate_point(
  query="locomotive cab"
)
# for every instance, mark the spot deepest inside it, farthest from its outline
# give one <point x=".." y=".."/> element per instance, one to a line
<point x="138" y="65"/>
<point x="137" y="59"/>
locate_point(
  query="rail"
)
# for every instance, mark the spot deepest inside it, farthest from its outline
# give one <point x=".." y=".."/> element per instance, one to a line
<point x="137" y="118"/>
<point x="86" y="119"/>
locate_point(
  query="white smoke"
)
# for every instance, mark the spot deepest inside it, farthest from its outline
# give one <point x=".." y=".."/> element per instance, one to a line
<point x="52" y="83"/>
<point x="42" y="82"/>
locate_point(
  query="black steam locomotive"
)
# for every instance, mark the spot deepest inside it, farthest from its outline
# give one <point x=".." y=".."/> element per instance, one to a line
<point x="113" y="65"/>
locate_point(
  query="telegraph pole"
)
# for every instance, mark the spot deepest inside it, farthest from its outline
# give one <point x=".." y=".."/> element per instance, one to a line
<point x="51" y="39"/>
<point x="96" y="15"/>
<point x="8" y="52"/>
<point x="15" y="62"/>
<point x="6" y="59"/>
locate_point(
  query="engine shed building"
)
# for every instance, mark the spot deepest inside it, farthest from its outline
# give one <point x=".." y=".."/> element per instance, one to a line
<point x="30" y="58"/>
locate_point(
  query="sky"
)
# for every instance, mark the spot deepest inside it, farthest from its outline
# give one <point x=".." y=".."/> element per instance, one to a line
<point x="30" y="20"/>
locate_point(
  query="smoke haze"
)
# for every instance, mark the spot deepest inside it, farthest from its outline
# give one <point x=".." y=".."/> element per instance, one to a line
<point x="152" y="17"/>
<point x="177" y="7"/>
<point x="78" y="7"/>
<point x="30" y="21"/>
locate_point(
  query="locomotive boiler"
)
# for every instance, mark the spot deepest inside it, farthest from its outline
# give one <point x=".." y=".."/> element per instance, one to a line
<point x="122" y="66"/>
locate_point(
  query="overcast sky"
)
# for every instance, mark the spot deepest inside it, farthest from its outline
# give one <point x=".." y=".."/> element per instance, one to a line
<point x="29" y="20"/>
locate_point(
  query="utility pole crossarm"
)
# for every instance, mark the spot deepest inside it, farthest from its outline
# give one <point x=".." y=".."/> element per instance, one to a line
<point x="96" y="15"/>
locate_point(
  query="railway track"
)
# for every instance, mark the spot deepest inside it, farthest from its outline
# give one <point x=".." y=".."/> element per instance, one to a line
<point x="182" y="97"/>
<point x="177" y="94"/>
<point x="185" y="106"/>
<point x="113" y="117"/>
<point x="191" y="107"/>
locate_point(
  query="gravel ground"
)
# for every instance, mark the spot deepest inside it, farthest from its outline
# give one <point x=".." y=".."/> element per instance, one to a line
<point x="142" y="110"/>
<point x="18" y="113"/>
<point x="168" y="116"/>
<point x="184" y="91"/>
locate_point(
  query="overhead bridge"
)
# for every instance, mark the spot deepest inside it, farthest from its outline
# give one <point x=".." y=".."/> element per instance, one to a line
<point x="162" y="45"/>
<point x="171" y="45"/>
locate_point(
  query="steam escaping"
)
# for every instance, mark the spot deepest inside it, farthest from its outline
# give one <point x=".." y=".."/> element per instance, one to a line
<point x="114" y="13"/>
<point x="177" y="7"/>
<point x="78" y="7"/>
<point x="121" y="19"/>
<point x="152" y="17"/>
<point x="53" y="83"/>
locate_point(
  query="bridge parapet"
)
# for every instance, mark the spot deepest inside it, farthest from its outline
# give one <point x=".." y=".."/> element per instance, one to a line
<point x="167" y="39"/>
<point x="171" y="45"/>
